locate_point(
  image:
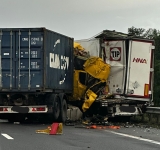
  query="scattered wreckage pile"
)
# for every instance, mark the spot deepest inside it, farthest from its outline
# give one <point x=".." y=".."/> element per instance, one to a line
<point x="94" y="122"/>
<point x="90" y="86"/>
<point x="90" y="83"/>
<point x="90" y="77"/>
<point x="90" y="89"/>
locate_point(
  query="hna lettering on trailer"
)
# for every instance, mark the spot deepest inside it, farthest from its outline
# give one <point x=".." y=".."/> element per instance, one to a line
<point x="140" y="60"/>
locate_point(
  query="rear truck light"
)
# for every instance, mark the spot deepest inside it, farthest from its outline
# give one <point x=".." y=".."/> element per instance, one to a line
<point x="33" y="109"/>
<point x="3" y="109"/>
<point x="38" y="109"/>
<point x="146" y="90"/>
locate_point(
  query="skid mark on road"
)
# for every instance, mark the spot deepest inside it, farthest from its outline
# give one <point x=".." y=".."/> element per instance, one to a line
<point x="7" y="136"/>
<point x="135" y="137"/>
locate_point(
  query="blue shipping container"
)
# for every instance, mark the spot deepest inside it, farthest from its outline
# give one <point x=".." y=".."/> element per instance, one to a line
<point x="35" y="59"/>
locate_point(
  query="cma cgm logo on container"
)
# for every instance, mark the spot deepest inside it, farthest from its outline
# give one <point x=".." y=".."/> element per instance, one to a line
<point x="115" y="54"/>
<point x="59" y="61"/>
<point x="140" y="60"/>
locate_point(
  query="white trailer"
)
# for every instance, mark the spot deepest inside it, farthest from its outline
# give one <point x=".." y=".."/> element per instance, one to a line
<point x="131" y="78"/>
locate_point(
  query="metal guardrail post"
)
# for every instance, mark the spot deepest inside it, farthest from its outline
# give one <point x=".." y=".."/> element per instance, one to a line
<point x="150" y="117"/>
<point x="158" y="118"/>
<point x="153" y="110"/>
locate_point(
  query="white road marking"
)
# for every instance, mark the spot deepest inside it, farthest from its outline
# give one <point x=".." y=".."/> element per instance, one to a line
<point x="135" y="137"/>
<point x="7" y="136"/>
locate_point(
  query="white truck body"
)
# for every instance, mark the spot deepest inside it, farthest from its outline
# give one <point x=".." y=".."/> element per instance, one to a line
<point x="131" y="61"/>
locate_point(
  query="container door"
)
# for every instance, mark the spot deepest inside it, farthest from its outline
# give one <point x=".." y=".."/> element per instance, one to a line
<point x="139" y="69"/>
<point x="29" y="60"/>
<point x="7" y="65"/>
<point x="114" y="54"/>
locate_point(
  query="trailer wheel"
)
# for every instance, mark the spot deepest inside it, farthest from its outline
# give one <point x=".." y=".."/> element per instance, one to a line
<point x="56" y="106"/>
<point x="63" y="112"/>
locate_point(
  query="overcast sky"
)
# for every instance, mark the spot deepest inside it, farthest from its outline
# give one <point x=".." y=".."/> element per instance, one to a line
<point x="80" y="18"/>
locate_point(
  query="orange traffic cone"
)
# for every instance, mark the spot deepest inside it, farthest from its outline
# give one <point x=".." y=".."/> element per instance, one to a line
<point x="56" y="128"/>
<point x="45" y="131"/>
<point x="60" y="129"/>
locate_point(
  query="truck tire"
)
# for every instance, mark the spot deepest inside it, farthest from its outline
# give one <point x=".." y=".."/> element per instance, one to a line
<point x="55" y="100"/>
<point x="63" y="112"/>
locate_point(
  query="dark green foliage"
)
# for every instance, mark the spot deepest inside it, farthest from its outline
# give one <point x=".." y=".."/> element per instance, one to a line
<point x="136" y="31"/>
<point x="155" y="35"/>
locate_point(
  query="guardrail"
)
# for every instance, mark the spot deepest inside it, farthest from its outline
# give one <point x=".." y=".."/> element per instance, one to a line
<point x="151" y="116"/>
<point x="153" y="110"/>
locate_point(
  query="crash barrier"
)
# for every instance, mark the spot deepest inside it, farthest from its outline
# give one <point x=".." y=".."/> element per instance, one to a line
<point x="152" y="115"/>
<point x="54" y="129"/>
<point x="153" y="110"/>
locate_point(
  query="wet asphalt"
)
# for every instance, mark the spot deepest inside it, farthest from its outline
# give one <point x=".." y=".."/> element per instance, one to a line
<point x="24" y="137"/>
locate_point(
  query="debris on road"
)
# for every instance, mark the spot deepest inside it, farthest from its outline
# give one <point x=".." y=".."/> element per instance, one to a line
<point x="54" y="129"/>
<point x="69" y="123"/>
<point x="114" y="127"/>
<point x="98" y="127"/>
<point x="94" y="122"/>
<point x="16" y="122"/>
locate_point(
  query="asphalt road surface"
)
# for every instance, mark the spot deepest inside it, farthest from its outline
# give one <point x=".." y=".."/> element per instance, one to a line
<point x="23" y="137"/>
